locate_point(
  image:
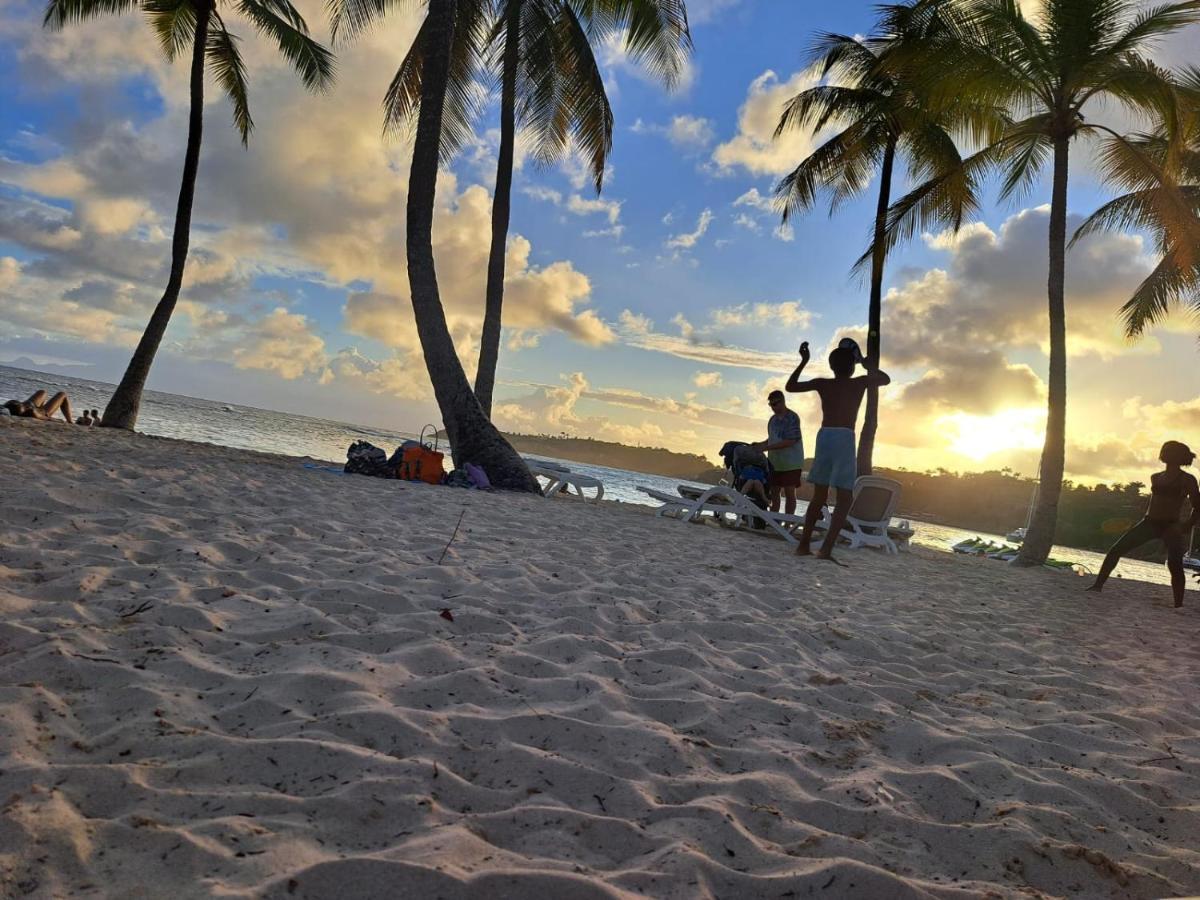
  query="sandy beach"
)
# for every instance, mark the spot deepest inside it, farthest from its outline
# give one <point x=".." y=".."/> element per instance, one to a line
<point x="223" y="674"/>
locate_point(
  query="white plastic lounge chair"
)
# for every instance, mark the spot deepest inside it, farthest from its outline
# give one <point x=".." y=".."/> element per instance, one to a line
<point x="725" y="505"/>
<point x="558" y="477"/>
<point x="875" y="501"/>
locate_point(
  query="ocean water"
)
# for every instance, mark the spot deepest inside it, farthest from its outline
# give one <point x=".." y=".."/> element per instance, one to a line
<point x="248" y="428"/>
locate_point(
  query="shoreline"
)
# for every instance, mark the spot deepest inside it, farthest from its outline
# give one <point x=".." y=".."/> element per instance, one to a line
<point x="221" y="673"/>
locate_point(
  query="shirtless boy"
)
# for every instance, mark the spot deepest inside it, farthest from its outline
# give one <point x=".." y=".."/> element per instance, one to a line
<point x="836" y="464"/>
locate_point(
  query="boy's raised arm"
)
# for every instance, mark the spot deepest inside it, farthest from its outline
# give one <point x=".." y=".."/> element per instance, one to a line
<point x="794" y="384"/>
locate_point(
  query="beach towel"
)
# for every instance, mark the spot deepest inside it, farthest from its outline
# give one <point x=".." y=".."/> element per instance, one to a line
<point x="835" y="465"/>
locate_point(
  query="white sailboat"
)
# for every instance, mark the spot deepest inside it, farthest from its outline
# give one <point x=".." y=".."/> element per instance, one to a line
<point x="1192" y="560"/>
<point x="1017" y="535"/>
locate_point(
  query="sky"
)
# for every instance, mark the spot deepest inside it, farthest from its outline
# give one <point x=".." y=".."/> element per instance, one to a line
<point x="659" y="313"/>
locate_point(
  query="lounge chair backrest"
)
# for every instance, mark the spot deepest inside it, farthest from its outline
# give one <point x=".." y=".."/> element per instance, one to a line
<point x="875" y="498"/>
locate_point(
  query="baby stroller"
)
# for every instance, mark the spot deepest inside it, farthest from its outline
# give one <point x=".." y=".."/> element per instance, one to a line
<point x="750" y="473"/>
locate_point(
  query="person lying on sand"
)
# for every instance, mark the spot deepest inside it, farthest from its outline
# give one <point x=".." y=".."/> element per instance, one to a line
<point x="38" y="407"/>
<point x="85" y="419"/>
<point x="1168" y="489"/>
<point x="836" y="464"/>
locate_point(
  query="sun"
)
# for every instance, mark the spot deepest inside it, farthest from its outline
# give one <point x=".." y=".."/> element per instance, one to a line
<point x="978" y="437"/>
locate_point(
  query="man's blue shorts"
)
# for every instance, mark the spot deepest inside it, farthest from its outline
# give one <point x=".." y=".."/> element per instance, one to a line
<point x="836" y="464"/>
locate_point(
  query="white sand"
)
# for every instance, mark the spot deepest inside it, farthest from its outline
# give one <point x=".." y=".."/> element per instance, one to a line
<point x="622" y="705"/>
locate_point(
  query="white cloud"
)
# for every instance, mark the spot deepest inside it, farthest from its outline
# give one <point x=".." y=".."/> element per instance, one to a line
<point x="581" y="206"/>
<point x="688" y="240"/>
<point x="755" y="147"/>
<point x="684" y="131"/>
<point x="282" y="343"/>
<point x="706" y="379"/>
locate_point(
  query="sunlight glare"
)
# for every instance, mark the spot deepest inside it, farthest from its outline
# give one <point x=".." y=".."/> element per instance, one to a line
<point x="978" y="437"/>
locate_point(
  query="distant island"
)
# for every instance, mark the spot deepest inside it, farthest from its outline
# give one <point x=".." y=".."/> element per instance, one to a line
<point x="650" y="460"/>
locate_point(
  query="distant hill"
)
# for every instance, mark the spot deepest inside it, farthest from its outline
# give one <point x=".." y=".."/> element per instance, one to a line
<point x="651" y="460"/>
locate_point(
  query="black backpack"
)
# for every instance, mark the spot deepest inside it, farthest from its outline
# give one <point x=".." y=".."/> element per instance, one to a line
<point x="364" y="458"/>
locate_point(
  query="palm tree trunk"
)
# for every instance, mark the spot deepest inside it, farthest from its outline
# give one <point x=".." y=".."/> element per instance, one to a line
<point x="472" y="437"/>
<point x="122" y="408"/>
<point x="866" y="441"/>
<point x="1040" y="537"/>
<point x="489" y="345"/>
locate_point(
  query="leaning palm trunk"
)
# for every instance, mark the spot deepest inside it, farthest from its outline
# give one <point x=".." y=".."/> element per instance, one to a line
<point x="472" y="437"/>
<point x="489" y="345"/>
<point x="122" y="408"/>
<point x="1040" y="537"/>
<point x="866" y="441"/>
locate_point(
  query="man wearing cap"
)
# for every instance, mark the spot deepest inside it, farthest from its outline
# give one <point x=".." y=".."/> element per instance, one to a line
<point x="785" y="447"/>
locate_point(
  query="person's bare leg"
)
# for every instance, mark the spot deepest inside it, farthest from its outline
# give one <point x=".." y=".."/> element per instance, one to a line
<point x="789" y="505"/>
<point x="1175" y="549"/>
<point x="841" y="509"/>
<point x="775" y="498"/>
<point x="37" y="398"/>
<point x="1134" y="537"/>
<point x="57" y="402"/>
<point x="815" y="505"/>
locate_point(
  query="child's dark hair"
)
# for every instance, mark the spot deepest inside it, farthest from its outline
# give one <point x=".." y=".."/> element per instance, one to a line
<point x="1177" y="453"/>
<point x="841" y="361"/>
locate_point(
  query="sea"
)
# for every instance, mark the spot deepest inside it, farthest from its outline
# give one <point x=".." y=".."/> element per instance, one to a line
<point x="249" y="428"/>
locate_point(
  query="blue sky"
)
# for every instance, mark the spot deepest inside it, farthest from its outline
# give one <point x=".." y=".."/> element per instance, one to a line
<point x="659" y="313"/>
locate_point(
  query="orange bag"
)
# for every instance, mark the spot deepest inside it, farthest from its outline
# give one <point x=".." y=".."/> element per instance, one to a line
<point x="422" y="461"/>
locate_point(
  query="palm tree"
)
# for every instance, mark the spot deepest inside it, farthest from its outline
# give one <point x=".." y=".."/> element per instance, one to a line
<point x="551" y="84"/>
<point x="444" y="42"/>
<point x="198" y="24"/>
<point x="1161" y="172"/>
<point x="881" y="112"/>
<point x="1048" y="72"/>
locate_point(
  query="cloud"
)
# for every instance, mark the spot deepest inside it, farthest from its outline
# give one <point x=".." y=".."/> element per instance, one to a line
<point x="992" y="294"/>
<point x="684" y="131"/>
<point x="710" y="343"/>
<point x="755" y="147"/>
<point x="563" y="407"/>
<point x="282" y="343"/>
<point x="583" y="207"/>
<point x="688" y="240"/>
<point x="706" y="379"/>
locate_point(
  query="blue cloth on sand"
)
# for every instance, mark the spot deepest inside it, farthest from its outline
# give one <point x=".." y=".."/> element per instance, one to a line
<point x="836" y="464"/>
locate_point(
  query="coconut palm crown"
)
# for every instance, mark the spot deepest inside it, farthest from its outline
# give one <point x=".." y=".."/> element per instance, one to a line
<point x="1160" y="170"/>
<point x="197" y="25"/>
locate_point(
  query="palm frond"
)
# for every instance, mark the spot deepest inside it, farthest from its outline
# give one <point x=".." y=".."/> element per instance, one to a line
<point x="403" y="98"/>
<point x="350" y="18"/>
<point x="174" y="22"/>
<point x="655" y="33"/>
<point x="62" y="12"/>
<point x="1168" y="286"/>
<point x="312" y="61"/>
<point x="225" y="62"/>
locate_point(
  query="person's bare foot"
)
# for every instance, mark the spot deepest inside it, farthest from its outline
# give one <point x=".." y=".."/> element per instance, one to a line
<point x="1179" y="604"/>
<point x="829" y="558"/>
<point x="1093" y="588"/>
<point x="803" y="550"/>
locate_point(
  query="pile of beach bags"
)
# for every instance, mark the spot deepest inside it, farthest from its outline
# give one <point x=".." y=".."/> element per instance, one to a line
<point x="418" y="460"/>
